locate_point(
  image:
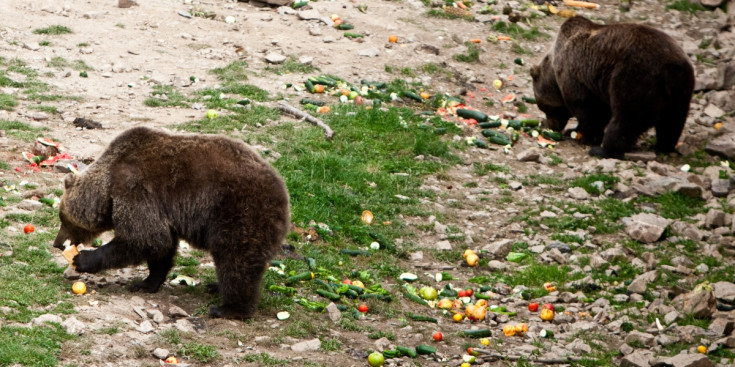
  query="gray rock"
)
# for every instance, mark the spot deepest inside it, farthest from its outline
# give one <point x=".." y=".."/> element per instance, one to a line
<point x="33" y="46"/>
<point x="333" y="313"/>
<point x="640" y="283"/>
<point x="145" y="327"/>
<point x="640" y="156"/>
<point x="383" y="344"/>
<point x="637" y="336"/>
<point x="556" y="255"/>
<point x="176" y="311"/>
<point x="369" y="52"/>
<point x="515" y="185"/>
<point x="579" y="347"/>
<point x="529" y="155"/>
<point x="578" y="193"/>
<point x="499" y="249"/>
<point x="645" y="227"/>
<point x="687" y="230"/>
<point x="700" y="302"/>
<point x="639" y="358"/>
<point x="561" y="246"/>
<point x="611" y="254"/>
<point x="713" y="111"/>
<point x="495" y="265"/>
<point x="275" y="58"/>
<point x="670" y="317"/>
<point x="70" y="273"/>
<point x="156" y="316"/>
<point x="444" y="245"/>
<point x="161" y="353"/>
<point x="310" y="14"/>
<point x="723" y="146"/>
<point x="416" y="256"/>
<point x="73" y="326"/>
<point x="626" y="349"/>
<point x="666" y="184"/>
<point x="439" y="228"/>
<point x="701" y="269"/>
<point x="664" y="340"/>
<point x="721" y="326"/>
<point x="715" y="218"/>
<point x="31" y="205"/>
<point x="306" y="346"/>
<point x="724" y="291"/>
<point x="184" y="326"/>
<point x="720" y="188"/>
<point x="685" y="360"/>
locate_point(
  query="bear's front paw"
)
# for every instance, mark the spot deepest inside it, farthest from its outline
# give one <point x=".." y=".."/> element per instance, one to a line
<point x="86" y="262"/>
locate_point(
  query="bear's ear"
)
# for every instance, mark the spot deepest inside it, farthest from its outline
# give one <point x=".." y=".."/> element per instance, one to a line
<point x="535" y="71"/>
<point x="69" y="180"/>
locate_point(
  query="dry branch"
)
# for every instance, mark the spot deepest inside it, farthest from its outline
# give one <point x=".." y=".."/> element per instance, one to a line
<point x="291" y="110"/>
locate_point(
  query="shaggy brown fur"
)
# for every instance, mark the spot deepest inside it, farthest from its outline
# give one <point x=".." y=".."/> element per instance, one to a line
<point x="618" y="80"/>
<point x="153" y="188"/>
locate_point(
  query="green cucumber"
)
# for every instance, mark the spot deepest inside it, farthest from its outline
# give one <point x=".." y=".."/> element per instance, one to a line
<point x="344" y="26"/>
<point x="515" y="124"/>
<point x="481" y="144"/>
<point x="546" y="334"/>
<point x="309" y="86"/>
<point x="471" y="114"/>
<point x="415" y="298"/>
<point x="489" y="124"/>
<point x="406" y="351"/>
<point x="325" y="80"/>
<point x="422" y="318"/>
<point x="479" y="333"/>
<point x="377" y="236"/>
<point x="486" y="288"/>
<point x="351" y="293"/>
<point x="412" y="95"/>
<point x="354" y="35"/>
<point x="530" y="122"/>
<point x="391" y="353"/>
<point x="329" y="295"/>
<point x="490" y="132"/>
<point x="355" y="289"/>
<point x="440" y="130"/>
<point x="311" y="305"/>
<point x="342" y="308"/>
<point x="425" y="349"/>
<point x="351" y="252"/>
<point x="282" y="289"/>
<point x="551" y="134"/>
<point x="311" y="101"/>
<point x="499" y="139"/>
<point x="47" y="201"/>
<point x="307" y="275"/>
<point x="482" y="296"/>
<point x="528" y="99"/>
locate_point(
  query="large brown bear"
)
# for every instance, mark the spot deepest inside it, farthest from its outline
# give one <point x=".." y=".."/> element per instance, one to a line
<point x="154" y="188"/>
<point x="618" y="80"/>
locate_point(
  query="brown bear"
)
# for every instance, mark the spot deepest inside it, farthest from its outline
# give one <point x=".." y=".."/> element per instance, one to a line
<point x="618" y="80"/>
<point x="154" y="188"/>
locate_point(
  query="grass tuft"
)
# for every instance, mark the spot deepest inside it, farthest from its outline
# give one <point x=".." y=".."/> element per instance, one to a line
<point x="53" y="30"/>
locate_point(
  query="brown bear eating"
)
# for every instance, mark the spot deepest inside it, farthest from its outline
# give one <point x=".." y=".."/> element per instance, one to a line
<point x="618" y="80"/>
<point x="154" y="188"/>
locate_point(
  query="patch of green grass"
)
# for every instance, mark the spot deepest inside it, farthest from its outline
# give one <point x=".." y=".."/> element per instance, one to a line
<point x="235" y="72"/>
<point x="171" y="336"/>
<point x="37" y="346"/>
<point x="166" y="96"/>
<point x="21" y="130"/>
<point x="83" y="44"/>
<point x="200" y="352"/>
<point x="44" y="43"/>
<point x="685" y="6"/>
<point x="44" y="108"/>
<point x="438" y="13"/>
<point x="4" y="166"/>
<point x="80" y="65"/>
<point x="382" y="334"/>
<point x="186" y="261"/>
<point x="264" y="359"/>
<point x="534" y="180"/>
<point x="690" y="319"/>
<point x="7" y="102"/>
<point x="112" y="330"/>
<point x="120" y="25"/>
<point x="472" y="55"/>
<point x="516" y="48"/>
<point x="290" y="66"/>
<point x="331" y="345"/>
<point x="58" y="62"/>
<point x="54" y="30"/>
<point x="674" y="205"/>
<point x="225" y="123"/>
<point x="514" y="30"/>
<point x="482" y="169"/>
<point x="587" y="182"/>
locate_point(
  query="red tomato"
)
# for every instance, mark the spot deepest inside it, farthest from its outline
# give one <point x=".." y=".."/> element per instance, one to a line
<point x="438" y="336"/>
<point x="346" y="281"/>
<point x="533" y="307"/>
<point x="469" y="292"/>
<point x="462" y="293"/>
<point x="362" y="308"/>
<point x="29" y="228"/>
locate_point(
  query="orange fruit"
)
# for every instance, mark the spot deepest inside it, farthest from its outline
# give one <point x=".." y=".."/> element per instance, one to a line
<point x="79" y="288"/>
<point x="392" y="39"/>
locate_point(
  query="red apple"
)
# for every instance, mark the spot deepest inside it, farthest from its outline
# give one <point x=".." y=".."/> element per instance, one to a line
<point x="438" y="336"/>
<point x="533" y="307"/>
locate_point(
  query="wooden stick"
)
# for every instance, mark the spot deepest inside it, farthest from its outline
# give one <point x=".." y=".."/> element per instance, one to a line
<point x="581" y="4"/>
<point x="492" y="354"/>
<point x="285" y="107"/>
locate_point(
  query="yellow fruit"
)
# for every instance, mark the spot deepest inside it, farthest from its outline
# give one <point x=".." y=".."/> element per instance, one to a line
<point x="472" y="259"/>
<point x="458" y="317"/>
<point x="547" y="315"/>
<point x="445" y="303"/>
<point x="468" y="252"/>
<point x="521" y="328"/>
<point x="392" y="39"/>
<point x="497" y="83"/>
<point x="212" y="114"/>
<point x="509" y="330"/>
<point x="172" y="360"/>
<point x="702" y="349"/>
<point x="79" y="288"/>
<point x="358" y="283"/>
<point x="718" y="126"/>
<point x="425" y="95"/>
<point x="485" y="341"/>
<point x="464" y="364"/>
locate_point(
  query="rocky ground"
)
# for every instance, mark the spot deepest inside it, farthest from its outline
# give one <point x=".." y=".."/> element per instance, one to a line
<point x="130" y="50"/>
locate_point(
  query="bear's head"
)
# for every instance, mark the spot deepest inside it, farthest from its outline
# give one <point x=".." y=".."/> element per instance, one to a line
<point x="548" y="96"/>
<point x="84" y="210"/>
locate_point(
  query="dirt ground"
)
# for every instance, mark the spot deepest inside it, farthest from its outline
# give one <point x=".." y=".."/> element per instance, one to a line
<point x="132" y="49"/>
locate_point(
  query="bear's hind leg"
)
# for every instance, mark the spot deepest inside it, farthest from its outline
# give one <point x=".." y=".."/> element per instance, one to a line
<point x="620" y="136"/>
<point x="239" y="286"/>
